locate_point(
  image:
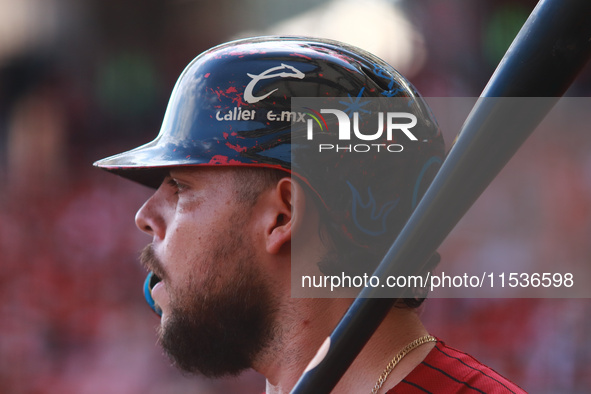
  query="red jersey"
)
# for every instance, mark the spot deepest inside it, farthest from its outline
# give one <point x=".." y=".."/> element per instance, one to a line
<point x="446" y="370"/>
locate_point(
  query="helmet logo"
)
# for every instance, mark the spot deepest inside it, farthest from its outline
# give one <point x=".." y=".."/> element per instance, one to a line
<point x="290" y="72"/>
<point x="368" y="212"/>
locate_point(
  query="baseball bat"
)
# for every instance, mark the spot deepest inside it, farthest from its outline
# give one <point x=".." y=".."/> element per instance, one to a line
<point x="547" y="54"/>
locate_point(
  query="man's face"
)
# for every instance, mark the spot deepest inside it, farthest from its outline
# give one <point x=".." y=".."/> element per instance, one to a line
<point x="217" y="306"/>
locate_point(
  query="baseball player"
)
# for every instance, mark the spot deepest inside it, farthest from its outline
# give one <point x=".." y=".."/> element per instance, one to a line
<point x="236" y="211"/>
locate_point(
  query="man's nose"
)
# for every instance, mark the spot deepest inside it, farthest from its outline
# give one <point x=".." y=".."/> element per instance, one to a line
<point x="149" y="219"/>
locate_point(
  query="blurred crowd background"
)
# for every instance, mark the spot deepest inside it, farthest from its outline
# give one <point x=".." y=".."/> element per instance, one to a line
<point x="84" y="79"/>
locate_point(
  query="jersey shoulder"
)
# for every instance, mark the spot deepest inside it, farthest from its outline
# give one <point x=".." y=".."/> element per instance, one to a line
<point x="447" y="370"/>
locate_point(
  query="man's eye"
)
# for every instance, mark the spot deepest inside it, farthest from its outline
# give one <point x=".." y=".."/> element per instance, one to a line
<point x="178" y="187"/>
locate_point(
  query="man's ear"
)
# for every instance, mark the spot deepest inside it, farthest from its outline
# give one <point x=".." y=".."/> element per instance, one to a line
<point x="286" y="207"/>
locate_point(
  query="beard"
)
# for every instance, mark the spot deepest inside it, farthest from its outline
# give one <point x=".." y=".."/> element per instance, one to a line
<point x="222" y="325"/>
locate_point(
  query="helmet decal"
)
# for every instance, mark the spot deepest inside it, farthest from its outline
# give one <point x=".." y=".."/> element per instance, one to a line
<point x="392" y="90"/>
<point x="368" y="212"/>
<point x="355" y="105"/>
<point x="285" y="71"/>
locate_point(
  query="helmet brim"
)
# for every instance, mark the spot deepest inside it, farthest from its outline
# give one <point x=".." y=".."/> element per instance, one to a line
<point x="147" y="164"/>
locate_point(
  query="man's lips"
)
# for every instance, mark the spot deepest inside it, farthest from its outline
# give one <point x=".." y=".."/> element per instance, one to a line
<point x="157" y="294"/>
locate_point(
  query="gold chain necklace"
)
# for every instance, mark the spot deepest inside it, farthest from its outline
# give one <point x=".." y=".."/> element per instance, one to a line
<point x="407" y="349"/>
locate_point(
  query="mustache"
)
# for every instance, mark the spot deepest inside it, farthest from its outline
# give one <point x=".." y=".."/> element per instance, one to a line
<point x="150" y="261"/>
